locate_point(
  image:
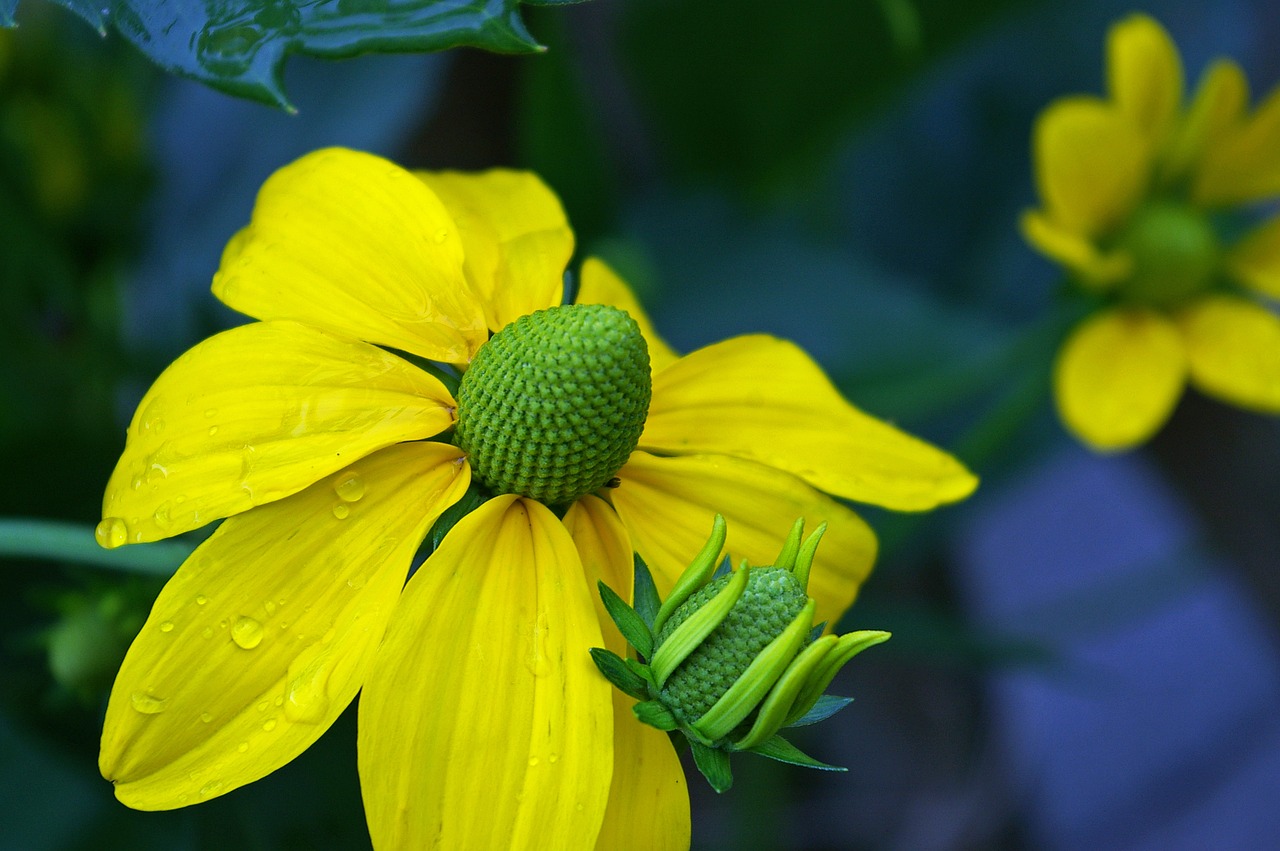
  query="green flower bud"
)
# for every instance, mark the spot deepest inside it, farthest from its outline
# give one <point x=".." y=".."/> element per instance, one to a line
<point x="731" y="657"/>
<point x="553" y="405"/>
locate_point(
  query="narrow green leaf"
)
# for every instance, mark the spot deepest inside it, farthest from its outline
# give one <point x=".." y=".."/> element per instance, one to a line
<point x="714" y="765"/>
<point x="616" y="671"/>
<point x="783" y="751"/>
<point x="647" y="601"/>
<point x="682" y="641"/>
<point x="240" y="46"/>
<point x="73" y="542"/>
<point x="654" y="714"/>
<point x="696" y="574"/>
<point x="824" y="708"/>
<point x="630" y="624"/>
<point x="471" y="500"/>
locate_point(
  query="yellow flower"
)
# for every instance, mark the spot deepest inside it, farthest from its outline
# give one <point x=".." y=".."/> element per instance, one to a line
<point x="1134" y="188"/>
<point x="483" y="722"/>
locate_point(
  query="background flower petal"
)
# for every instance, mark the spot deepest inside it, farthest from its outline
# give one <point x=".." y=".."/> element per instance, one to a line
<point x="1242" y="164"/>
<point x="648" y="799"/>
<point x="599" y="284"/>
<point x="257" y="413"/>
<point x="515" y="237"/>
<point x="1095" y="270"/>
<point x="266" y="633"/>
<point x="1220" y="100"/>
<point x="1144" y="74"/>
<point x="1255" y="260"/>
<point x="1233" y="346"/>
<point x="763" y="398"/>
<point x="354" y="243"/>
<point x="485" y="724"/>
<point x="1118" y="377"/>
<point x="1092" y="163"/>
<point x="668" y="505"/>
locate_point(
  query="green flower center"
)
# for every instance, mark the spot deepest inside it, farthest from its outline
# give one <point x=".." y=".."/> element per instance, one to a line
<point x="553" y="405"/>
<point x="1175" y="254"/>
<point x="772" y="599"/>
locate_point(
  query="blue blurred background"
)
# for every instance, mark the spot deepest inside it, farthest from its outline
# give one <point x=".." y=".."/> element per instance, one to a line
<point x="1085" y="652"/>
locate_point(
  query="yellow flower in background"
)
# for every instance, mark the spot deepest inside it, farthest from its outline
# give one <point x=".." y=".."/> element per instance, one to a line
<point x="1136" y="193"/>
<point x="331" y="438"/>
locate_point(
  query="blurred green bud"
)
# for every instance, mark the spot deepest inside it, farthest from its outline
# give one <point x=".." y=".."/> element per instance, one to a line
<point x="87" y="643"/>
<point x="731" y="658"/>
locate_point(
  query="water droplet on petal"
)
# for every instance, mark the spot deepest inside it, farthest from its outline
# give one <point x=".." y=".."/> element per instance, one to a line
<point x="207" y="632"/>
<point x="533" y="760"/>
<point x="269" y="724"/>
<point x="210" y="789"/>
<point x="161" y="516"/>
<point x="308" y="699"/>
<point x="213" y="430"/>
<point x="111" y="533"/>
<point x="148" y="704"/>
<point x="242" y="747"/>
<point x="270" y="607"/>
<point x="349" y="486"/>
<point x="246" y="633"/>
<point x="210" y="413"/>
<point x="136" y="484"/>
<point x="201" y="599"/>
<point x="357" y="582"/>
<point x="206" y="717"/>
<point x="341" y="511"/>
<point x="554" y="758"/>
<point x="166" y="626"/>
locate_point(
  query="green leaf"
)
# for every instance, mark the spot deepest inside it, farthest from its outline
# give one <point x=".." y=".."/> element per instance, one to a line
<point x="654" y="714"/>
<point x="630" y="624"/>
<point x="239" y="46"/>
<point x="826" y="706"/>
<point x="73" y="542"/>
<point x="647" y="602"/>
<point x="714" y="765"/>
<point x="616" y="671"/>
<point x="475" y="497"/>
<point x="783" y="751"/>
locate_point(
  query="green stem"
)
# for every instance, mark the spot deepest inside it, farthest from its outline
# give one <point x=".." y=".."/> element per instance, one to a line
<point x="74" y="542"/>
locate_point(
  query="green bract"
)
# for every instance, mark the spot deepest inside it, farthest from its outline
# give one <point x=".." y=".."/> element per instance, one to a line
<point x="731" y="657"/>
<point x="554" y="404"/>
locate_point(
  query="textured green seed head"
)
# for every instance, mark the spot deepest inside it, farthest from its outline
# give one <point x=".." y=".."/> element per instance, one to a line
<point x="772" y="599"/>
<point x="553" y="405"/>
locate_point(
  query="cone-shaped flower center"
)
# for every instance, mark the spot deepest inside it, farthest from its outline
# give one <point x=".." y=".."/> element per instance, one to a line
<point x="553" y="405"/>
<point x="771" y="600"/>
<point x="1175" y="254"/>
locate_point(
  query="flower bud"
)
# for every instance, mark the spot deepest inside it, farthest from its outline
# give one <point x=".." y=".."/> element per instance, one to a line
<point x="731" y="657"/>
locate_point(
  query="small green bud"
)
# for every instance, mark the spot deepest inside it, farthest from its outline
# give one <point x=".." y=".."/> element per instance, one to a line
<point x="735" y="659"/>
<point x="553" y="405"/>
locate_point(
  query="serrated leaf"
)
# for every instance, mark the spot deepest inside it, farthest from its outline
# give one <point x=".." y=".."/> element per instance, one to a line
<point x="240" y="46"/>
<point x="647" y="601"/>
<point x="783" y="751"/>
<point x="714" y="765"/>
<point x="630" y="624"/>
<point x="827" y="705"/>
<point x="616" y="671"/>
<point x="654" y="714"/>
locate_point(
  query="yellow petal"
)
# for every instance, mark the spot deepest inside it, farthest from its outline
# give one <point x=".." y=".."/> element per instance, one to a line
<point x="266" y="633"/>
<point x="1118" y="377"/>
<point x="515" y="235"/>
<point x="762" y="398"/>
<point x="1219" y="102"/>
<point x="1144" y="74"/>
<point x="1243" y="163"/>
<point x="257" y="413"/>
<point x="1096" y="270"/>
<point x="668" y="505"/>
<point x="605" y="550"/>
<point x="1092" y="164"/>
<point x="1255" y="260"/>
<point x="355" y="244"/>
<point x="1234" y="350"/>
<point x="648" y="800"/>
<point x="599" y="284"/>
<point x="485" y="723"/>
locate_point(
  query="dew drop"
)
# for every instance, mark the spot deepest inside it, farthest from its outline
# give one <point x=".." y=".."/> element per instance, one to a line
<point x="111" y="533"/>
<point x="207" y="632"/>
<point x="357" y="582"/>
<point x="270" y="607"/>
<point x="554" y="758"/>
<point x="533" y="760"/>
<point x="206" y="717"/>
<point x="213" y="430"/>
<point x="349" y="486"/>
<point x="211" y="788"/>
<point x="308" y="699"/>
<point x="201" y="599"/>
<point x="262" y="706"/>
<point x="269" y="724"/>
<point x="341" y="510"/>
<point x="580" y="807"/>
<point x="136" y="484"/>
<point x="161" y="516"/>
<point x="210" y="413"/>
<point x="148" y="704"/>
<point x="166" y="626"/>
<point x="246" y="633"/>
<point x="242" y="747"/>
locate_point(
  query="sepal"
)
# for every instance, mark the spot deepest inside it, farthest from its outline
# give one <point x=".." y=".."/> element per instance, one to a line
<point x="783" y="751"/>
<point x="629" y="623"/>
<point x="653" y="713"/>
<point x="714" y="765"/>
<point x="827" y="705"/>
<point x="616" y="671"/>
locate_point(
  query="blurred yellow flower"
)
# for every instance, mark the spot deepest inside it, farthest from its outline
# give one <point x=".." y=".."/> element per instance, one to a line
<point x="1135" y="189"/>
<point x="483" y="723"/>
